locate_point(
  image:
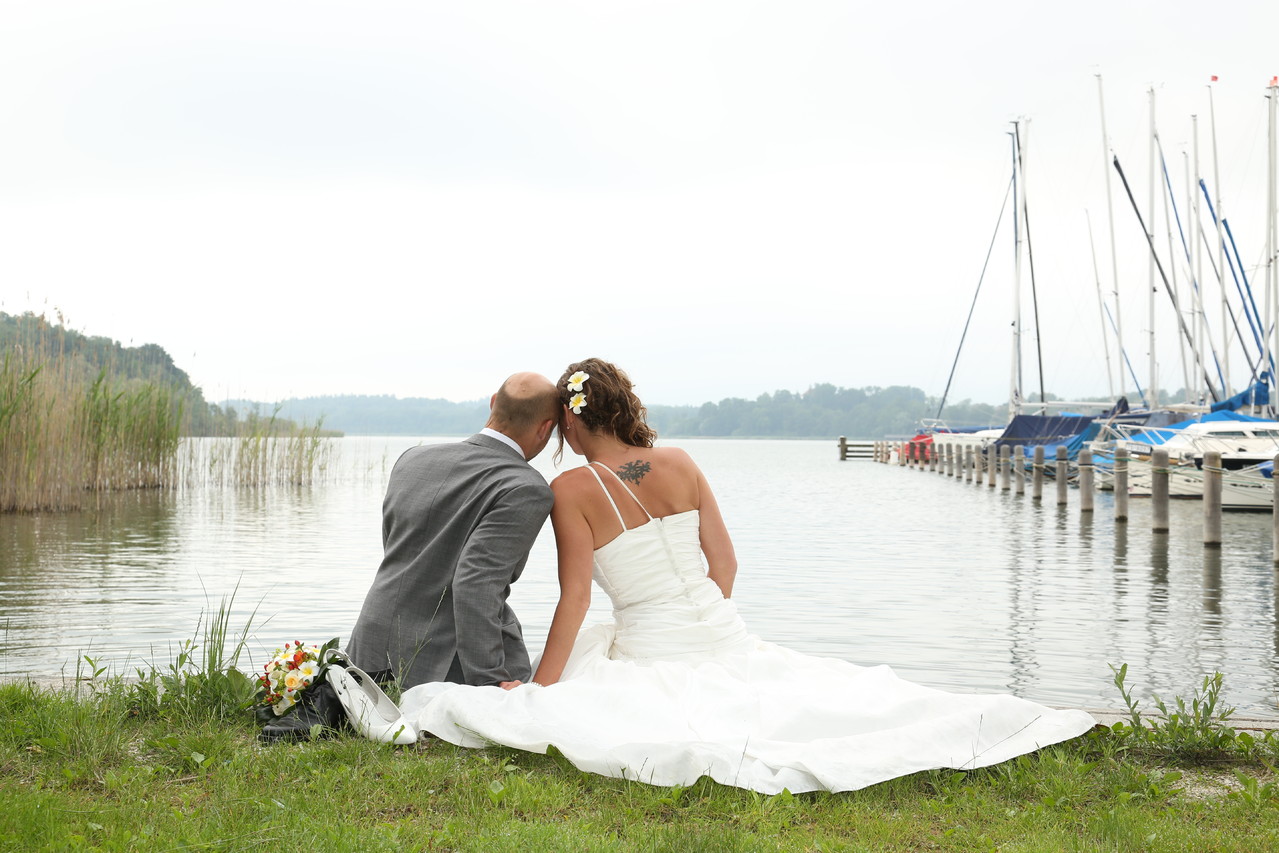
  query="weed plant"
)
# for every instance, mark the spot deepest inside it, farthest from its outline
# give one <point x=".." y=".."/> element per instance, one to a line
<point x="1194" y="731"/>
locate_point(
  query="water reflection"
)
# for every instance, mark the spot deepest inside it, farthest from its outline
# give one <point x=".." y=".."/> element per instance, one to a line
<point x="955" y="586"/>
<point x="1212" y="587"/>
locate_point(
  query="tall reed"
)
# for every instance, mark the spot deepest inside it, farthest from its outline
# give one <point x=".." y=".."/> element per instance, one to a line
<point x="268" y="451"/>
<point x="71" y="429"/>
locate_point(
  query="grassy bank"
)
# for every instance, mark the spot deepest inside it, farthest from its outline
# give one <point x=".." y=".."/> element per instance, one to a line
<point x="170" y="761"/>
<point x="99" y="775"/>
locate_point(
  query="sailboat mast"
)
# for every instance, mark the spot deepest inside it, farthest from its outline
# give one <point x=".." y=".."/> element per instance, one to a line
<point x="1153" y="381"/>
<point x="1197" y="253"/>
<point x="1195" y="310"/>
<point x="1221" y="254"/>
<point x="1014" y="391"/>
<point x="1172" y="251"/>
<point x="1272" y="237"/>
<point x="1110" y="214"/>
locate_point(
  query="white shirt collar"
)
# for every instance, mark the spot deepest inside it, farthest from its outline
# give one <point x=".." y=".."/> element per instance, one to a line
<point x="505" y="439"/>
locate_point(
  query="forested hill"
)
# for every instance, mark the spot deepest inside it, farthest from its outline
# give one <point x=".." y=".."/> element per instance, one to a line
<point x="46" y="342"/>
<point x="31" y="344"/>
<point x="823" y="411"/>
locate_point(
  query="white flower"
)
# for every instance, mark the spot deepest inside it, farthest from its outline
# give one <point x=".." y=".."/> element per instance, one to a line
<point x="575" y="381"/>
<point x="576" y="404"/>
<point x="286" y="702"/>
<point x="308" y="669"/>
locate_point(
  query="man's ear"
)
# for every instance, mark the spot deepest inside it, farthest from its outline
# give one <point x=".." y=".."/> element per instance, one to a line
<point x="545" y="429"/>
<point x="492" y="402"/>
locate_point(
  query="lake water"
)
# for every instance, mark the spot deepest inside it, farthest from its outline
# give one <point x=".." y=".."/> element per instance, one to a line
<point x="954" y="585"/>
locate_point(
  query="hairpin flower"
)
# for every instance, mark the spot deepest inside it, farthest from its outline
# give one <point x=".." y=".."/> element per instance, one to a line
<point x="575" y="381"/>
<point x="576" y="404"/>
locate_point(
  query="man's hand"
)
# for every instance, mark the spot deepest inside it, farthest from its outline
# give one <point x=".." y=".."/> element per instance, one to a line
<point x="507" y="685"/>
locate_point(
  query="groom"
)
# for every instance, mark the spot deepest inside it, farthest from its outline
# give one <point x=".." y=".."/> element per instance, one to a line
<point x="457" y="525"/>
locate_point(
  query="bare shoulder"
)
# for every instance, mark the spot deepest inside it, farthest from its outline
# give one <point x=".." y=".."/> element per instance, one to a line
<point x="675" y="457"/>
<point x="572" y="482"/>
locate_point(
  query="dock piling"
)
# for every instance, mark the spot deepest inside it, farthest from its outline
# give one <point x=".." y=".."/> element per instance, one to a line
<point x="1061" y="472"/>
<point x="1085" y="481"/>
<point x="1037" y="476"/>
<point x="1121" y="484"/>
<point x="1159" y="491"/>
<point x="1212" y="499"/>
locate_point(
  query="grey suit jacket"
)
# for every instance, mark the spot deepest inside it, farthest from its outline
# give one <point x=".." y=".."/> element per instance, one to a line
<point x="457" y="525"/>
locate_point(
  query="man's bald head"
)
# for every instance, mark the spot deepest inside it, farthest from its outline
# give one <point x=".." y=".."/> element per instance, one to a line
<point x="522" y="407"/>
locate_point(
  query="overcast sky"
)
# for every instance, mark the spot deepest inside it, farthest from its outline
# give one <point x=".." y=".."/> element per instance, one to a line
<point x="726" y="198"/>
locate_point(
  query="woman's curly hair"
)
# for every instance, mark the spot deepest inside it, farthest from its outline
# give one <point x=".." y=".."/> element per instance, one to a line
<point x="611" y="404"/>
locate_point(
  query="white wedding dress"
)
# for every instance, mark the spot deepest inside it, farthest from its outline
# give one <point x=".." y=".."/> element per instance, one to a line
<point x="676" y="688"/>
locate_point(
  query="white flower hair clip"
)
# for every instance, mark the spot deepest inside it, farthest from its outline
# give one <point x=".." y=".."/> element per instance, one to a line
<point x="575" y="384"/>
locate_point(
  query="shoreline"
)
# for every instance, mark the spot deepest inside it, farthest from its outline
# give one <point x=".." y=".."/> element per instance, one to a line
<point x="1105" y="716"/>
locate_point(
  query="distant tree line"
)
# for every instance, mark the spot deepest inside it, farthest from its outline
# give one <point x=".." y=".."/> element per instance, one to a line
<point x="379" y="415"/>
<point x="823" y="411"/>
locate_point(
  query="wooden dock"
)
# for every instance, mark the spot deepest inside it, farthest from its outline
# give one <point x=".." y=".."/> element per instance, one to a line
<point x="855" y="449"/>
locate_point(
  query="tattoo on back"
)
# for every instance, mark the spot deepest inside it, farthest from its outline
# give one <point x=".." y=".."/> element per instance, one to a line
<point x="633" y="472"/>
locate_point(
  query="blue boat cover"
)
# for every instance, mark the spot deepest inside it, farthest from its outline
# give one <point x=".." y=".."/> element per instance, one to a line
<point x="1257" y="395"/>
<point x="1032" y="430"/>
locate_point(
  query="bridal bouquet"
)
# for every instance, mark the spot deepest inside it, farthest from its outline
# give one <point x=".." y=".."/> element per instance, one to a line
<point x="288" y="675"/>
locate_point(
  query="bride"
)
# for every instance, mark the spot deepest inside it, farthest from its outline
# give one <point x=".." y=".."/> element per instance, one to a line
<point x="677" y="688"/>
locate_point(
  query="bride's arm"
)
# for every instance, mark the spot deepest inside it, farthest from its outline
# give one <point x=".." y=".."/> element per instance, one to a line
<point x="575" y="547"/>
<point x="717" y="545"/>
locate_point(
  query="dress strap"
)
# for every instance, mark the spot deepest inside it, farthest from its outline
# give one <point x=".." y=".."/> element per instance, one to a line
<point x="611" y="502"/>
<point x="623" y="485"/>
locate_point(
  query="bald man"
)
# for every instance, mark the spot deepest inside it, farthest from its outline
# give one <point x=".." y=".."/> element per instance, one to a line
<point x="457" y="525"/>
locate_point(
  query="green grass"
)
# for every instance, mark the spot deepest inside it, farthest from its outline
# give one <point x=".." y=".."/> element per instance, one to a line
<point x="169" y="760"/>
<point x="113" y="769"/>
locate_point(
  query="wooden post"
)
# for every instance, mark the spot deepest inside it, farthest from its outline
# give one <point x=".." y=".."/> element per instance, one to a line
<point x="1085" y="481"/>
<point x="979" y="466"/>
<point x="843" y="448"/>
<point x="1121" y="484"/>
<point x="1061" y="472"/>
<point x="1005" y="467"/>
<point x="968" y="464"/>
<point x="1019" y="472"/>
<point x="1159" y="491"/>
<point x="901" y="454"/>
<point x="992" y="465"/>
<point x="949" y="467"/>
<point x="932" y="455"/>
<point x="1274" y="514"/>
<point x="1037" y="475"/>
<point x="1212" y="499"/>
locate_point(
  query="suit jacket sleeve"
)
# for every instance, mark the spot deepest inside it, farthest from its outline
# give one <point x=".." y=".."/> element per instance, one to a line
<point x="495" y="548"/>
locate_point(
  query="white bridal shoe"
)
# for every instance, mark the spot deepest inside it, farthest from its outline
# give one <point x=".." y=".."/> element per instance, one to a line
<point x="371" y="711"/>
